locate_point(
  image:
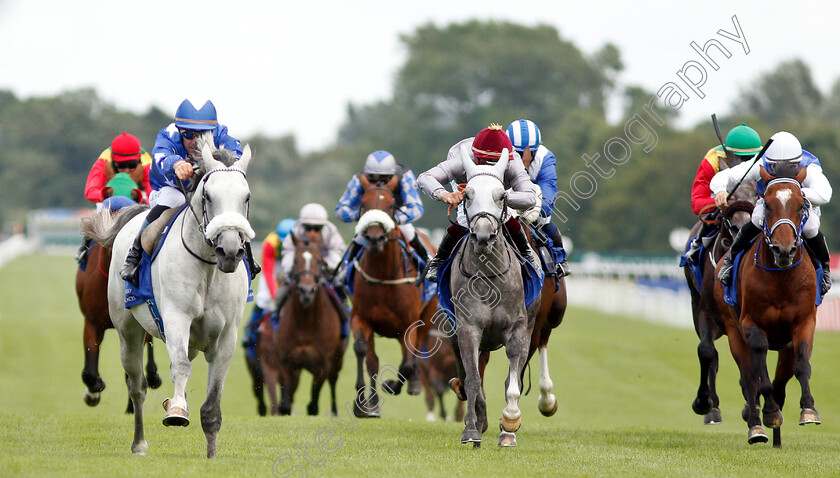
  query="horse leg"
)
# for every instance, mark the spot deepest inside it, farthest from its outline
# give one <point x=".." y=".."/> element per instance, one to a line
<point x="218" y="360"/>
<point x="803" y="346"/>
<point x="481" y="406"/>
<point x="152" y="376"/>
<point x="318" y="380"/>
<point x="759" y="345"/>
<point x="456" y="384"/>
<point x="257" y="381"/>
<point x="131" y="354"/>
<point x="373" y="404"/>
<point x="741" y="353"/>
<point x="428" y="394"/>
<point x="180" y="370"/>
<point x="409" y="368"/>
<point x="468" y="343"/>
<point x="94" y="384"/>
<point x="289" y="379"/>
<point x="517" y="353"/>
<point x="333" y="379"/>
<point x="273" y="378"/>
<point x="707" y="354"/>
<point x="547" y="403"/>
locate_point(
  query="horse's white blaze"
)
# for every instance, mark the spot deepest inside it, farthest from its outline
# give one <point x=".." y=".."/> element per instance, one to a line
<point x="784" y="196"/>
<point x="307" y="260"/>
<point x="511" y="411"/>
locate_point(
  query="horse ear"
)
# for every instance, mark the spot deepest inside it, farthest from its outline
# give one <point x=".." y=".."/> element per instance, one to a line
<point x="392" y="183"/>
<point x="207" y="158"/>
<point x="364" y="180"/>
<point x="800" y="176"/>
<point x="245" y="159"/>
<point x="469" y="167"/>
<point x="765" y="176"/>
<point x="502" y="164"/>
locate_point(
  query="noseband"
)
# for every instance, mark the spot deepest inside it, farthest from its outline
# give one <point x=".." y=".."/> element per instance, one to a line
<point x="803" y="216"/>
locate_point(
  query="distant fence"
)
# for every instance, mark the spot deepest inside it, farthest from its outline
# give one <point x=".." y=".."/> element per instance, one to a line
<point x="55" y="228"/>
<point x="654" y="289"/>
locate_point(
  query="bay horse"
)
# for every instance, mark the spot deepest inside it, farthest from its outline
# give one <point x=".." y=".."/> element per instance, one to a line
<point x="776" y="294"/>
<point x="200" y="288"/>
<point x="92" y="294"/>
<point x="385" y="299"/>
<point x="489" y="303"/>
<point x="308" y="335"/>
<point x="708" y="320"/>
<point x="436" y="371"/>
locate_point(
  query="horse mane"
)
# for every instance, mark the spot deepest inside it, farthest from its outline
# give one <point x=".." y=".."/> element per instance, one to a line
<point x="225" y="157"/>
<point x="738" y="206"/>
<point x="103" y="227"/>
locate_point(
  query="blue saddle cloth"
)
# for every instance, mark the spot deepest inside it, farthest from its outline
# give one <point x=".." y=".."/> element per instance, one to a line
<point x="558" y="254"/>
<point x="143" y="293"/>
<point x="698" y="269"/>
<point x="428" y="289"/>
<point x="531" y="277"/>
<point x="730" y="292"/>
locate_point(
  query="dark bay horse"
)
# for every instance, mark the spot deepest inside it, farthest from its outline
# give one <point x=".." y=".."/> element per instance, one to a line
<point x="385" y="299"/>
<point x="776" y="292"/>
<point x="708" y="321"/>
<point x="436" y="371"/>
<point x="309" y="333"/>
<point x="92" y="292"/>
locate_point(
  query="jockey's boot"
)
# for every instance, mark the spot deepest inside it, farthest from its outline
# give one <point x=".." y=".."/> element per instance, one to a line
<point x="562" y="269"/>
<point x="741" y="241"/>
<point x="820" y="249"/>
<point x="521" y="241"/>
<point x="82" y="253"/>
<point x="249" y="335"/>
<point x="693" y="253"/>
<point x="132" y="261"/>
<point x="254" y="265"/>
<point x="447" y="243"/>
<point x="340" y="277"/>
<point x="341" y="307"/>
<point x="418" y="246"/>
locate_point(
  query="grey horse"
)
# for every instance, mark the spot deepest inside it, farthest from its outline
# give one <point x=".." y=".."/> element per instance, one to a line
<point x="488" y="298"/>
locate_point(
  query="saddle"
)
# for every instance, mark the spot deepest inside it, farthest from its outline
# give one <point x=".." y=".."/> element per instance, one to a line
<point x="153" y="234"/>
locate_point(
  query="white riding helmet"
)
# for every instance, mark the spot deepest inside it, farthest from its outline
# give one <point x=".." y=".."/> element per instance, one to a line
<point x="783" y="155"/>
<point x="380" y="162"/>
<point x="313" y="213"/>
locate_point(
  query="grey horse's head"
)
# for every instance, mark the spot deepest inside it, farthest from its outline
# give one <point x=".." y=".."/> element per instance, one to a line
<point x="223" y="197"/>
<point x="484" y="199"/>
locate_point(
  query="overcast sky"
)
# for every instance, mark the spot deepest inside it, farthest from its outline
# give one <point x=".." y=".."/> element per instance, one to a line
<point x="292" y="67"/>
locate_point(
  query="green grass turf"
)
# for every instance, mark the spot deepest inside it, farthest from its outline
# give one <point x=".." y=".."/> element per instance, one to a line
<point x="624" y="389"/>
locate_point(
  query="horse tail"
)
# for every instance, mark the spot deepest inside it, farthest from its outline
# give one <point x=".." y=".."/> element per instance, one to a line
<point x="103" y="226"/>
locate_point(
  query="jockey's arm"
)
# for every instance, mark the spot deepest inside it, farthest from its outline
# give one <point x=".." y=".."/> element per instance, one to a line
<point x="816" y="187"/>
<point x="335" y="246"/>
<point x="412" y="205"/>
<point x="547" y="182"/>
<point x="287" y="257"/>
<point x="431" y="182"/>
<point x="347" y="208"/>
<point x="524" y="194"/>
<point x="726" y="179"/>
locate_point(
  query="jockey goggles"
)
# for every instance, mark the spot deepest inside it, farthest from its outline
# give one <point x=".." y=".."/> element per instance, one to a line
<point x="131" y="164"/>
<point x="188" y="133"/>
<point x="313" y="227"/>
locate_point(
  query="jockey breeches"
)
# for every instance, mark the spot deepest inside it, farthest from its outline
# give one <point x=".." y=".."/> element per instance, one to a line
<point x="167" y="196"/>
<point x="812" y="225"/>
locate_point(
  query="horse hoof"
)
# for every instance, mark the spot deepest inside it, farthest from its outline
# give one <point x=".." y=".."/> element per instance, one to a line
<point x="140" y="449"/>
<point x="176" y="417"/>
<point x="376" y="414"/>
<point x="92" y="399"/>
<point x="508" y="425"/>
<point x="471" y="435"/>
<point x="773" y="419"/>
<point x="431" y="417"/>
<point x="154" y="381"/>
<point x="701" y="407"/>
<point x="392" y="387"/>
<point x="548" y="412"/>
<point x="757" y="435"/>
<point x="507" y="439"/>
<point x="414" y="387"/>
<point x="455" y="386"/>
<point x="809" y="415"/>
<point x="713" y="417"/>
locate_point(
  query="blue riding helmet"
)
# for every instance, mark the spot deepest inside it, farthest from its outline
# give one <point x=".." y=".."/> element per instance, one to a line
<point x="187" y="117"/>
<point x="524" y="133"/>
<point x="284" y="227"/>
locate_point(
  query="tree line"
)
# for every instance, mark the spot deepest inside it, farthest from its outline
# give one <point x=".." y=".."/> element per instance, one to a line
<point x="499" y="72"/>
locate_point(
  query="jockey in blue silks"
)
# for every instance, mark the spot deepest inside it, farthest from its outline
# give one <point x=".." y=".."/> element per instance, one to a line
<point x="784" y="158"/>
<point x="380" y="167"/>
<point x="540" y="164"/>
<point x="173" y="145"/>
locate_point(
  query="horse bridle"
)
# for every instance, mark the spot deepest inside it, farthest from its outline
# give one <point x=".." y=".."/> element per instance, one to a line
<point x="295" y="276"/>
<point x="202" y="224"/>
<point x="803" y="216"/>
<point x="393" y="207"/>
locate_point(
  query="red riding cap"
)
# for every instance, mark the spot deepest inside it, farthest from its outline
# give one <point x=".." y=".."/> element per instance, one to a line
<point x="489" y="143"/>
<point x="125" y="147"/>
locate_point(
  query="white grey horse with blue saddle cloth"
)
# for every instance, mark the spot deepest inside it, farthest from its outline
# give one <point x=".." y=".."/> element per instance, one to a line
<point x="200" y="289"/>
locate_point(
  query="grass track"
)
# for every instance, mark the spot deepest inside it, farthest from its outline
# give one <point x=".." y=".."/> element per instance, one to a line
<point x="624" y="388"/>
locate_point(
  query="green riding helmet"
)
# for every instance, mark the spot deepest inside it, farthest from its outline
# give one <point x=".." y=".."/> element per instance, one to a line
<point x="743" y="141"/>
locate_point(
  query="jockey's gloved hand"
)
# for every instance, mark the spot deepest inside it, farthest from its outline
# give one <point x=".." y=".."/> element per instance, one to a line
<point x="530" y="215"/>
